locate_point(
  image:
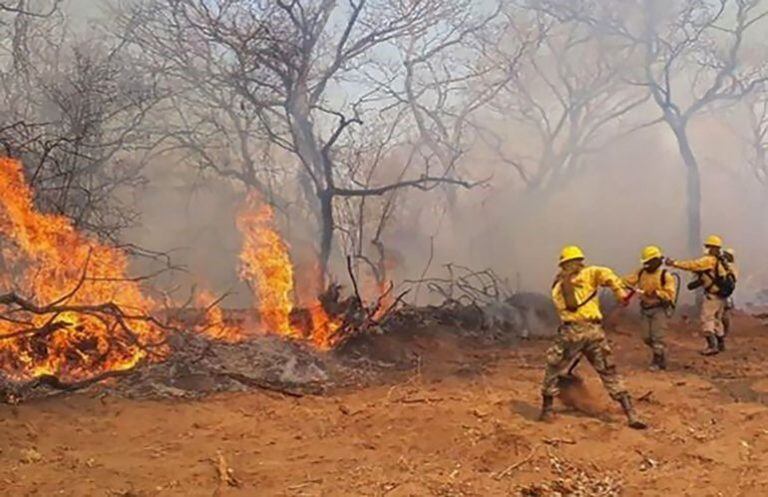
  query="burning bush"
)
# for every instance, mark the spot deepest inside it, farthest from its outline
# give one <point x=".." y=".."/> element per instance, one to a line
<point x="83" y="316"/>
<point x="71" y="312"/>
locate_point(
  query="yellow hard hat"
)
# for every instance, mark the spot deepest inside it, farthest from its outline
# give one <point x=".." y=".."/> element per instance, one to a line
<point x="713" y="241"/>
<point x="649" y="253"/>
<point x="571" y="253"/>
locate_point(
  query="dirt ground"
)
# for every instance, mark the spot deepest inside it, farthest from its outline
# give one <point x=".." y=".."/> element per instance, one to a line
<point x="462" y="424"/>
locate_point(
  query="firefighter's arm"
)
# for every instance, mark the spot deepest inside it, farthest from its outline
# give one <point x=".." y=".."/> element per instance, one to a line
<point x="632" y="279"/>
<point x="706" y="263"/>
<point x="604" y="277"/>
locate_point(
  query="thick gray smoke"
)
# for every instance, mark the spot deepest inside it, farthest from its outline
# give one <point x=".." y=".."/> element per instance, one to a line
<point x="629" y="189"/>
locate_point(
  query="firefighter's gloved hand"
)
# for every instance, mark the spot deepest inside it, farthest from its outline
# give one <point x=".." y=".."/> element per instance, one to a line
<point x="625" y="301"/>
<point x="669" y="261"/>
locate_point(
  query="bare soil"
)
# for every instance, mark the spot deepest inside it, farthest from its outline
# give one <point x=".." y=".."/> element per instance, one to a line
<point x="462" y="423"/>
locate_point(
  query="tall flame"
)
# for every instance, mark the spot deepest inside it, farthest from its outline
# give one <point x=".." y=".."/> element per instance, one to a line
<point x="266" y="265"/>
<point x="48" y="259"/>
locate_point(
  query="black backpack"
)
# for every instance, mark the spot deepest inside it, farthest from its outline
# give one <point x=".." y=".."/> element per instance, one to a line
<point x="726" y="284"/>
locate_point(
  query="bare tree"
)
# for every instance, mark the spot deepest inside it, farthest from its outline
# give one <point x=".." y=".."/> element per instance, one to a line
<point x="692" y="58"/>
<point x="23" y="7"/>
<point x="73" y="111"/>
<point x="569" y="95"/>
<point x="16" y="16"/>
<point x="757" y="113"/>
<point x="430" y="100"/>
<point x="448" y="79"/>
<point x="296" y="68"/>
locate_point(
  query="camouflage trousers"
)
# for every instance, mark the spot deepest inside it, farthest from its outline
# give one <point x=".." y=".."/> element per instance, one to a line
<point x="575" y="339"/>
<point x="712" y="311"/>
<point x="727" y="317"/>
<point x="656" y="325"/>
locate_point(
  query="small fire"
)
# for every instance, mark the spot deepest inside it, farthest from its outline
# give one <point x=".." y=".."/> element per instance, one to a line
<point x="386" y="300"/>
<point x="51" y="262"/>
<point x="377" y="286"/>
<point x="266" y="265"/>
<point x="214" y="325"/>
<point x="323" y="326"/>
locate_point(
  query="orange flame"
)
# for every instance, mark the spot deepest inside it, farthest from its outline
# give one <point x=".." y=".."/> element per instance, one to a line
<point x="49" y="258"/>
<point x="266" y="265"/>
<point x="214" y="324"/>
<point x="386" y="300"/>
<point x="45" y="259"/>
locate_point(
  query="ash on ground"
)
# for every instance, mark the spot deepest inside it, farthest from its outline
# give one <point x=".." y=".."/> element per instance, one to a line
<point x="198" y="365"/>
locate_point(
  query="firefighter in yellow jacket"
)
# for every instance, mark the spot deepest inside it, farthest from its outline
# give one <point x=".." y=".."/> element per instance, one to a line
<point x="657" y="290"/>
<point x="575" y="295"/>
<point x="710" y="269"/>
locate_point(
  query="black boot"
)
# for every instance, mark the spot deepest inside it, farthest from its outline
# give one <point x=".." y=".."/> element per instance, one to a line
<point x="547" y="411"/>
<point x="659" y="362"/>
<point x="663" y="361"/>
<point x="655" y="362"/>
<point x="633" y="420"/>
<point x="712" y="348"/>
<point x="721" y="344"/>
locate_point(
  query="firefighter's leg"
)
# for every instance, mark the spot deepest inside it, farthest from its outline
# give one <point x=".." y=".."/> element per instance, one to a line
<point x="720" y="324"/>
<point x="659" y="325"/>
<point x="559" y="358"/>
<point x="711" y="322"/>
<point x="647" y="327"/>
<point x="648" y="332"/>
<point x="727" y="322"/>
<point x="599" y="354"/>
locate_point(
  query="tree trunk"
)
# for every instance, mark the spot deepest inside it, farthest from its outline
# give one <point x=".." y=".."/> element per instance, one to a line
<point x="693" y="194"/>
<point x="693" y="188"/>
<point x="326" y="239"/>
<point x="309" y="151"/>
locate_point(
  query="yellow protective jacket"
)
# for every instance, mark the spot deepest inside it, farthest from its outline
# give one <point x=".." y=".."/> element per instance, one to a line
<point x="706" y="267"/>
<point x="657" y="288"/>
<point x="587" y="283"/>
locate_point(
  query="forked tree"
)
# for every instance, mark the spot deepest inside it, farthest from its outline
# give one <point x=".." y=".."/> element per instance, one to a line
<point x="693" y="57"/>
<point x="297" y="76"/>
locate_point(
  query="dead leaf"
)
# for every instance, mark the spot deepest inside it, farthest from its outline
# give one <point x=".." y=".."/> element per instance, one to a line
<point x="479" y="413"/>
<point x="30" y="456"/>
<point x="226" y="474"/>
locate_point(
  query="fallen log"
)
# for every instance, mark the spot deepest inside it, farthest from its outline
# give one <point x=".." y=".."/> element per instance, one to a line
<point x="257" y="383"/>
<point x="11" y="392"/>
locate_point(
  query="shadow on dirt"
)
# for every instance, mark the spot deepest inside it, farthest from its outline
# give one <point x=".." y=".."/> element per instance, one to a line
<point x="741" y="390"/>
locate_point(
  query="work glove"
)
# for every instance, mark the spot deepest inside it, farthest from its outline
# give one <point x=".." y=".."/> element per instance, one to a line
<point x="624" y="302"/>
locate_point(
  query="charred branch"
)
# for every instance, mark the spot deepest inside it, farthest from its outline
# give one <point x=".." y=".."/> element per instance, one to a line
<point x="424" y="183"/>
<point x="16" y="303"/>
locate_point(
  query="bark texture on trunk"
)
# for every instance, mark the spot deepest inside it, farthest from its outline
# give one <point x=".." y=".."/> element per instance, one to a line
<point x="693" y="188"/>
